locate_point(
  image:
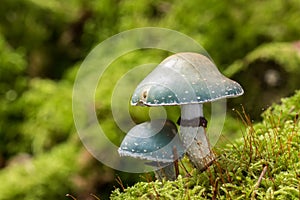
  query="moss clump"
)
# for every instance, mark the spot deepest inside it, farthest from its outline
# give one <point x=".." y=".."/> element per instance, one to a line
<point x="273" y="71"/>
<point x="264" y="164"/>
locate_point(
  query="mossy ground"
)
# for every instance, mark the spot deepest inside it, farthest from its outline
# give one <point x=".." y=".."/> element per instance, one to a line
<point x="263" y="164"/>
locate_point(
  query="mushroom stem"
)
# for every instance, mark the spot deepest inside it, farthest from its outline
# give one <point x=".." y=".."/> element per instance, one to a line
<point x="166" y="172"/>
<point x="194" y="137"/>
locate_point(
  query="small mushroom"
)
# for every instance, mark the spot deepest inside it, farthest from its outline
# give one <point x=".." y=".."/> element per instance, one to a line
<point x="189" y="80"/>
<point x="155" y="142"/>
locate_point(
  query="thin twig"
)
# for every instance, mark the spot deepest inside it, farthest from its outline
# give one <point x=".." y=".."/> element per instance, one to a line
<point x="264" y="171"/>
<point x="69" y="195"/>
<point x="95" y="196"/>
<point x="148" y="178"/>
<point x="261" y="176"/>
<point x="187" y="194"/>
<point x="157" y="195"/>
<point x="215" y="189"/>
<point x="119" y="181"/>
<point x="175" y="161"/>
<point x="185" y="170"/>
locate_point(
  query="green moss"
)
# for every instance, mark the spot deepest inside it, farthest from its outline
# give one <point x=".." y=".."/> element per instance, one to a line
<point x="283" y="53"/>
<point x="51" y="121"/>
<point x="45" y="177"/>
<point x="269" y="149"/>
<point x="12" y="85"/>
<point x="273" y="71"/>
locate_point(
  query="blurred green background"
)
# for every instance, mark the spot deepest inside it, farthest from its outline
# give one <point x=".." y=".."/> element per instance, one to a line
<point x="42" y="44"/>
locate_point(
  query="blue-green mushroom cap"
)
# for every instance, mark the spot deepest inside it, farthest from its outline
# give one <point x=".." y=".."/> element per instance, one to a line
<point x="153" y="141"/>
<point x="184" y="78"/>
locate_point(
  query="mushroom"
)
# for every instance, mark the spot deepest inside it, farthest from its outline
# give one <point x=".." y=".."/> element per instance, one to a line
<point x="189" y="80"/>
<point x="156" y="143"/>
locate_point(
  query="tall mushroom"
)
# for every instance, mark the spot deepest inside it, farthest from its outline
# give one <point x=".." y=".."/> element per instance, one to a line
<point x="189" y="80"/>
<point x="155" y="142"/>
